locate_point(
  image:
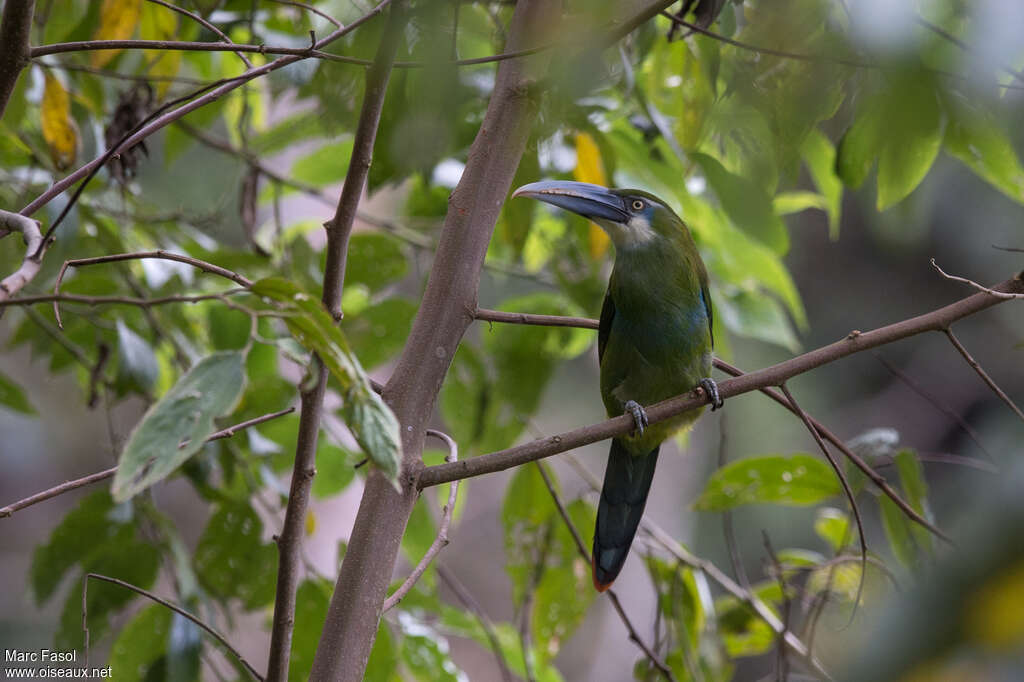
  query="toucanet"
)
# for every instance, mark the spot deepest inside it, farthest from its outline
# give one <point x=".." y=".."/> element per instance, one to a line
<point x="654" y="341"/>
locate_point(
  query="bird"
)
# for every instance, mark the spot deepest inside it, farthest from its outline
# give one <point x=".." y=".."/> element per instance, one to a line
<point x="654" y="341"/>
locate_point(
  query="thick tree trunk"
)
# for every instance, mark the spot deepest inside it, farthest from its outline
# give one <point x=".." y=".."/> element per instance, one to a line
<point x="444" y="314"/>
<point x="15" y="27"/>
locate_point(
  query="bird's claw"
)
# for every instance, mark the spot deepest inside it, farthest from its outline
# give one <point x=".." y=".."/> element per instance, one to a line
<point x="639" y="416"/>
<point x="711" y="391"/>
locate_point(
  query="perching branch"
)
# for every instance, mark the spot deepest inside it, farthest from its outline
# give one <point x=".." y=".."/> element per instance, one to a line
<point x="441" y="541"/>
<point x="29" y="229"/>
<point x="163" y="602"/>
<point x="15" y="30"/>
<point x="68" y="486"/>
<point x="289" y="542"/>
<point x="855" y="342"/>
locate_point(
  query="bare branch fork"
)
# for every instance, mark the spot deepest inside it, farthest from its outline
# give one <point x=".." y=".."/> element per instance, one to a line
<point x="29" y="229"/>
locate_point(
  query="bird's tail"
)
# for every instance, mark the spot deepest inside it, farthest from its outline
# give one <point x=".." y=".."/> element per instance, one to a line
<point x="627" y="479"/>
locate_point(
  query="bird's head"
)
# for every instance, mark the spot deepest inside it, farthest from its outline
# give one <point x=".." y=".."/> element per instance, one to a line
<point x="631" y="217"/>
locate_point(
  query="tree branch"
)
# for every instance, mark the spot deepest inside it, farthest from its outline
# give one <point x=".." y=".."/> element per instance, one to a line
<point x="29" y="229"/>
<point x="441" y="541"/>
<point x="855" y="342"/>
<point x="163" y="602"/>
<point x="160" y="255"/>
<point x="205" y="24"/>
<point x="68" y="486"/>
<point x="290" y="540"/>
<point x="15" y="30"/>
<point x="982" y="373"/>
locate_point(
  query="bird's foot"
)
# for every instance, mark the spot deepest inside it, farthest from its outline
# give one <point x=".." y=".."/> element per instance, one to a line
<point x="639" y="416"/>
<point x="711" y="391"/>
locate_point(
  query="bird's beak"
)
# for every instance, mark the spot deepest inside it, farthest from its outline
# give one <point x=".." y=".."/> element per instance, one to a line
<point x="590" y="201"/>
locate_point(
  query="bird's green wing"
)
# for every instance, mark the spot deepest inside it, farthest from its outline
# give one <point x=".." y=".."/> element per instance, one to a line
<point x="604" y="327"/>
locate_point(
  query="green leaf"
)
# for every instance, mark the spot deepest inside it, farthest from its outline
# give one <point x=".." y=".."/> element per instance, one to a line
<point x="914" y="136"/>
<point x="327" y="165"/>
<point x="859" y="146"/>
<point x="897" y="531"/>
<point x="372" y="423"/>
<point x="983" y="144"/>
<point x="82" y="530"/>
<point x="757" y="316"/>
<point x="379" y="332"/>
<point x="915" y="488"/>
<point x="311" y="603"/>
<point x="746" y="204"/>
<point x="185" y="413"/>
<point x="833" y="526"/>
<point x="425" y="652"/>
<point x="564" y="593"/>
<point x="13" y="396"/>
<point x="334" y="470"/>
<point x="137" y="362"/>
<point x="231" y="559"/>
<point x="786" y="203"/>
<point x="383" y="658"/>
<point x="820" y="157"/>
<point x="122" y="556"/>
<point x="841" y="579"/>
<point x="141" y="643"/>
<point x="797" y="480"/>
<point x="375" y="260"/>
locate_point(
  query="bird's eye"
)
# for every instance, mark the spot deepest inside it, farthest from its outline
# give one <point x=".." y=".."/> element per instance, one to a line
<point x="638" y="205"/>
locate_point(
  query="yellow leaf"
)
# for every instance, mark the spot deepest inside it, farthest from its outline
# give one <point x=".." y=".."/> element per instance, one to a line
<point x="118" y="19"/>
<point x="994" y="618"/>
<point x="590" y="168"/>
<point x="159" y="23"/>
<point x="59" y="129"/>
<point x="310" y="522"/>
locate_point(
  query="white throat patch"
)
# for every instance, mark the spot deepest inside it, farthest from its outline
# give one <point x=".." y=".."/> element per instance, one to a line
<point x="636" y="232"/>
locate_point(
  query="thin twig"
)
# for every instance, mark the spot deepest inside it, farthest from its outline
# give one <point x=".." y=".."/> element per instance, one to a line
<point x="441" y="541"/>
<point x="68" y="486"/>
<point x="982" y="373"/>
<point x="938" y="30"/>
<point x="727" y="531"/>
<point x="804" y="57"/>
<point x="979" y="287"/>
<point x="782" y="663"/>
<point x="634" y="636"/>
<point x="467" y="599"/>
<point x="934" y="401"/>
<point x="160" y="254"/>
<point x="846" y="489"/>
<point x="94" y="301"/>
<point x="205" y="24"/>
<point x="310" y="8"/>
<point x="163" y="602"/>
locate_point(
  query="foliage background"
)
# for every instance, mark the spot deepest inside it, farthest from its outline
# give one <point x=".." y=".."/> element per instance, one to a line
<point x="853" y="267"/>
